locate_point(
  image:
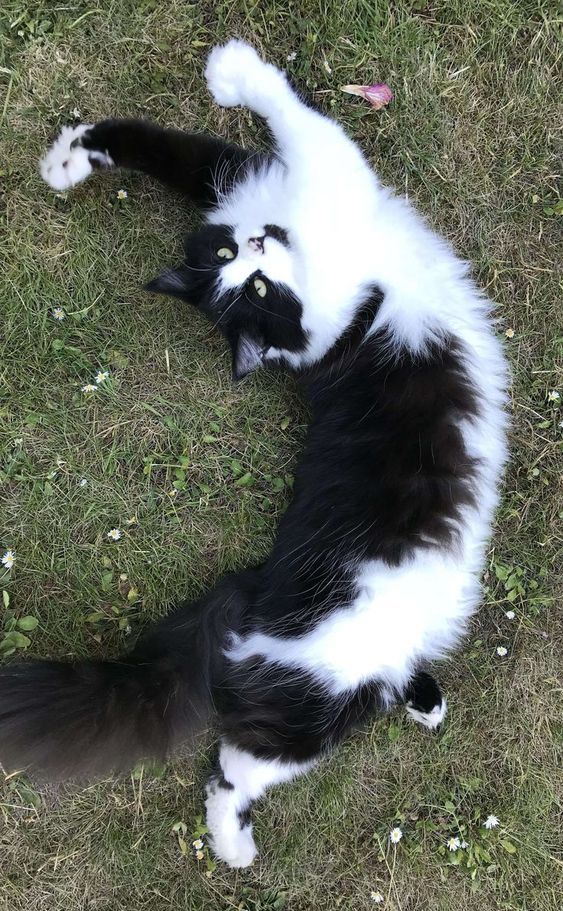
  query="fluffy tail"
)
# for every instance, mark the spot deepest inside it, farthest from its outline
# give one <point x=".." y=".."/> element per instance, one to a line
<point x="89" y="718"/>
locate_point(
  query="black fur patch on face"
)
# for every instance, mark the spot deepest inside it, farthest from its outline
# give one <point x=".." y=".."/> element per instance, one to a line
<point x="279" y="234"/>
<point x="268" y="320"/>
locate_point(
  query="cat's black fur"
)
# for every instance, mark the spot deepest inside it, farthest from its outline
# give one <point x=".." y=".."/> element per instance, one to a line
<point x="384" y="470"/>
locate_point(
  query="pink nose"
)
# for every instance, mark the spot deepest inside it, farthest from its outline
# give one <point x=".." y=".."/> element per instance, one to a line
<point x="256" y="244"/>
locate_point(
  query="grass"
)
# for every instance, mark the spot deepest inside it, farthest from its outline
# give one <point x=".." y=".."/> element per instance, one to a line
<point x="471" y="138"/>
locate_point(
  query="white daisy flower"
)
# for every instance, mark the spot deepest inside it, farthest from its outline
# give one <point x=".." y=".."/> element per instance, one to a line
<point x="553" y="396"/>
<point x="377" y="898"/>
<point x="491" y="822"/>
<point x="9" y="559"/>
<point x="197" y="844"/>
<point x="115" y="534"/>
<point x="509" y="333"/>
<point x="89" y="387"/>
<point x="501" y="651"/>
<point x="453" y="844"/>
<point x="122" y="194"/>
<point x="291" y="57"/>
<point x="395" y="835"/>
<point x="510" y="615"/>
<point x="101" y="377"/>
<point x="464" y="845"/>
<point x="58" y="313"/>
<point x="199" y="855"/>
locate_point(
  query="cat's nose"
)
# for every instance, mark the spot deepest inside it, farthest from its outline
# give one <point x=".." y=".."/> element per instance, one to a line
<point x="256" y="244"/>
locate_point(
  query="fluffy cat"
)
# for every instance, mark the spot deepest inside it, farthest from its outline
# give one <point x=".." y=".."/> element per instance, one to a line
<point x="305" y="262"/>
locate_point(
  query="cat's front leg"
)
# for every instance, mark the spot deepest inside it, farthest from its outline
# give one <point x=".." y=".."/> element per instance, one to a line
<point x="195" y="164"/>
<point x="306" y="139"/>
<point x="67" y="163"/>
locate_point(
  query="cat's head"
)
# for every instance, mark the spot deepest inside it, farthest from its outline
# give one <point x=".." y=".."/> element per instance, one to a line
<point x="244" y="282"/>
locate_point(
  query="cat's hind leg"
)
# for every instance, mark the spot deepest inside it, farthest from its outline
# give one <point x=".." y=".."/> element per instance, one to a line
<point x="424" y="700"/>
<point x="242" y="778"/>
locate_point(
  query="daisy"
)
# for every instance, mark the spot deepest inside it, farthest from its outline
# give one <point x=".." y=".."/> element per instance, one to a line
<point x="464" y="845"/>
<point x="553" y="396"/>
<point x="376" y="897"/>
<point x="491" y="822"/>
<point x="199" y="855"/>
<point x="115" y="534"/>
<point x="101" y="377"/>
<point x="395" y="835"/>
<point x="89" y="387"/>
<point x="291" y="57"/>
<point x="510" y="615"/>
<point x="501" y="651"/>
<point x="122" y="194"/>
<point x="509" y="333"/>
<point x="197" y="844"/>
<point x="58" y="313"/>
<point x="453" y="844"/>
<point x="8" y="559"/>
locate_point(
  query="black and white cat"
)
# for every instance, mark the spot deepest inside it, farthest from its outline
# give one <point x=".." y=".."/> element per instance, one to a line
<point x="304" y="261"/>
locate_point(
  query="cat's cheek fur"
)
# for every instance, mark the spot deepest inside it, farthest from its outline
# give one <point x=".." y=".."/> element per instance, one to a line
<point x="67" y="163"/>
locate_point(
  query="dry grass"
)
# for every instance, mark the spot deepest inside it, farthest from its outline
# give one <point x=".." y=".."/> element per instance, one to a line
<point x="470" y="137"/>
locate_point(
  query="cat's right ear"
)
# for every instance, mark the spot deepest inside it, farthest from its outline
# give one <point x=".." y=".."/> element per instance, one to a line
<point x="172" y="282"/>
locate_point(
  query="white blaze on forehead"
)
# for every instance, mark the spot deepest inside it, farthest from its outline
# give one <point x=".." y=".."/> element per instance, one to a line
<point x="275" y="263"/>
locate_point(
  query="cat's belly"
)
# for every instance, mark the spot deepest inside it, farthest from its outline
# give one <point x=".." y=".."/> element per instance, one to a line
<point x="400" y="616"/>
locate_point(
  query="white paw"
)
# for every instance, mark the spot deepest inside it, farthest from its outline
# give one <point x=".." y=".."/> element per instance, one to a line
<point x="236" y="75"/>
<point x="429" y="720"/>
<point x="237" y="849"/>
<point x="63" y="167"/>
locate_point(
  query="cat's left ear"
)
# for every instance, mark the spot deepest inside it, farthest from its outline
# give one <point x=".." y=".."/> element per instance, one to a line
<point x="248" y="355"/>
<point x="172" y="282"/>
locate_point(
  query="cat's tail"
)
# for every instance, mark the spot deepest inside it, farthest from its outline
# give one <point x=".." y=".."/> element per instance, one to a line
<point x="89" y="718"/>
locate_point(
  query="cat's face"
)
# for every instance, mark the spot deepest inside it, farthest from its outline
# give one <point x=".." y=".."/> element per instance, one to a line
<point x="243" y="280"/>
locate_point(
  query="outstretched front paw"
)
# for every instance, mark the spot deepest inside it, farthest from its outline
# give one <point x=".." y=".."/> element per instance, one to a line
<point x="67" y="162"/>
<point x="236" y="75"/>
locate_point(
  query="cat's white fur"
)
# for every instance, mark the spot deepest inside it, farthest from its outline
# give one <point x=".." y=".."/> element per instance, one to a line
<point x="348" y="232"/>
<point x="64" y="166"/>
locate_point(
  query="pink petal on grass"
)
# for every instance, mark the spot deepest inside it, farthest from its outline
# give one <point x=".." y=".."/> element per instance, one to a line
<point x="378" y="95"/>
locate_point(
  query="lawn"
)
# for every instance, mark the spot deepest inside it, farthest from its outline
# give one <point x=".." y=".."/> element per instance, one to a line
<point x="196" y="472"/>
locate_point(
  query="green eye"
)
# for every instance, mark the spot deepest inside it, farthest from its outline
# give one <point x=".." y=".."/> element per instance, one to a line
<point x="260" y="287"/>
<point x="225" y="253"/>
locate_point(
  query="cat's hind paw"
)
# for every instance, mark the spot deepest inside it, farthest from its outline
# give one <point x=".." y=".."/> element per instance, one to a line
<point x="236" y="75"/>
<point x="67" y="163"/>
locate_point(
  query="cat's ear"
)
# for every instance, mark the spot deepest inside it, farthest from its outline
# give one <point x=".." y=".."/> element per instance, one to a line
<point x="172" y="282"/>
<point x="248" y="355"/>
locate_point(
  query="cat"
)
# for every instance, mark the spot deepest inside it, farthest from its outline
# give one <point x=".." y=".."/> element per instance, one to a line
<point x="304" y="262"/>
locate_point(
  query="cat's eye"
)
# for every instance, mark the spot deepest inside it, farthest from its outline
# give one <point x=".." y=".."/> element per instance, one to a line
<point x="225" y="253"/>
<point x="260" y="287"/>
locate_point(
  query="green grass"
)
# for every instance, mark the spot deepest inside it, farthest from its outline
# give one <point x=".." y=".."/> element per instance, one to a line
<point x="471" y="138"/>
